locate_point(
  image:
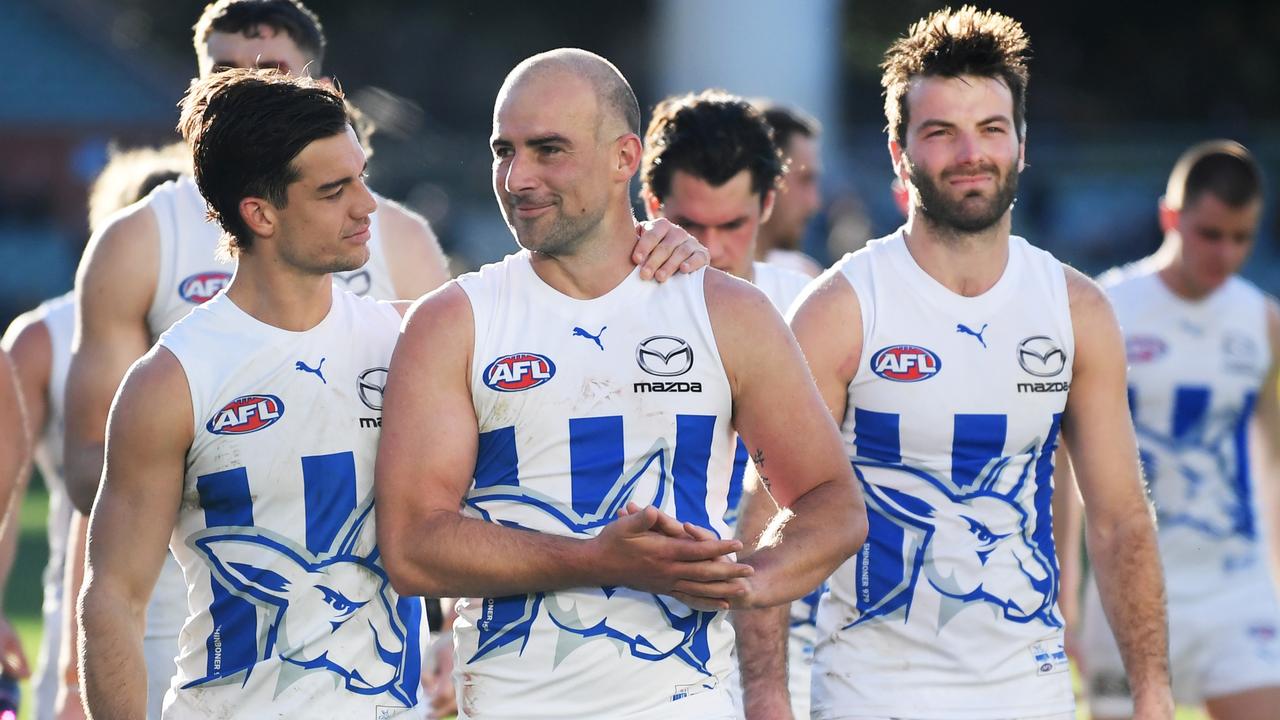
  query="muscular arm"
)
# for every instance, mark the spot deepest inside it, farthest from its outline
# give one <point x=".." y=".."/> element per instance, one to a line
<point x="14" y="446"/>
<point x="1068" y="524"/>
<point x="1266" y="435"/>
<point x="828" y="328"/>
<point x="414" y="259"/>
<point x="114" y="287"/>
<point x="426" y="460"/>
<point x="150" y="429"/>
<point x="1120" y="531"/>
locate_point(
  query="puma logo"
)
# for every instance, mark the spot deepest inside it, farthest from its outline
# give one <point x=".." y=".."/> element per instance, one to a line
<point x="962" y="328"/>
<point x="579" y="332"/>
<point x="302" y="367"/>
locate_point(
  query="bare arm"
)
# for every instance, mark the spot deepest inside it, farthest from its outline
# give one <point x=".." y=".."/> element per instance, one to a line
<point x="111" y="333"/>
<point x="1068" y="524"/>
<point x="1266" y="435"/>
<point x="14" y="453"/>
<point x="414" y="258"/>
<point x="1120" y="529"/>
<point x="69" y="703"/>
<point x="426" y="460"/>
<point x="828" y="328"/>
<point x="149" y="433"/>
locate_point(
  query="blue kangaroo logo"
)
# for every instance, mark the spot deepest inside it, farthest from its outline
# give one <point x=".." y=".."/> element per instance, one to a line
<point x="579" y="332"/>
<point x="302" y="367"/>
<point x="331" y="612"/>
<point x="962" y="328"/>
<point x="650" y="627"/>
<point x="1195" y="488"/>
<point x="972" y="545"/>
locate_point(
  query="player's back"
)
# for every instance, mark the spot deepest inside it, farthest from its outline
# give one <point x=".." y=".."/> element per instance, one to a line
<point x="292" y="614"/>
<point x="582" y="407"/>
<point x="1195" y="371"/>
<point x="950" y="608"/>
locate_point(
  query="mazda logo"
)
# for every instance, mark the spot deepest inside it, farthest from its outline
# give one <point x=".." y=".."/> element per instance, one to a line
<point x="664" y="356"/>
<point x="1041" y="356"/>
<point x="370" y="385"/>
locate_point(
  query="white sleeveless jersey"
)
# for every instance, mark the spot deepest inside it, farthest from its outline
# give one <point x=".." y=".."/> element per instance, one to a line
<point x="1195" y="371"/>
<point x="59" y="318"/>
<point x="950" y="608"/>
<point x="190" y="274"/>
<point x="584" y="405"/>
<point x="291" y="612"/>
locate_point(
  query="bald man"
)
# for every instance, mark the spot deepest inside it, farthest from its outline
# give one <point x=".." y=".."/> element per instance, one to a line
<point x="590" y="445"/>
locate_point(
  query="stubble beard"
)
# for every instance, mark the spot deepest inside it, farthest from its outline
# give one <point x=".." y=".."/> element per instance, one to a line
<point x="966" y="216"/>
<point x="563" y="238"/>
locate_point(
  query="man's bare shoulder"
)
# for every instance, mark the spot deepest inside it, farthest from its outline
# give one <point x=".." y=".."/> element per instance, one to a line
<point x="731" y="296"/>
<point x="1085" y="296"/>
<point x="444" y="309"/>
<point x="27" y="331"/>
<point x="122" y="259"/>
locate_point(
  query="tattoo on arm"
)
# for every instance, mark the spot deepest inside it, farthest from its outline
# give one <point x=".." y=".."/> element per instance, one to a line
<point x="758" y="459"/>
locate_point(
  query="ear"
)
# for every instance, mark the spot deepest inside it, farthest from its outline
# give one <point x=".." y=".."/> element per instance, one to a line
<point x="259" y="215"/>
<point x="652" y="206"/>
<point x="1169" y="217"/>
<point x="1022" y="149"/>
<point x="239" y="563"/>
<point x="628" y="151"/>
<point x="766" y="207"/>
<point x="898" y="155"/>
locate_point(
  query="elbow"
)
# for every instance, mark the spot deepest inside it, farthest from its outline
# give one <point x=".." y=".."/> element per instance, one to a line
<point x="855" y="530"/>
<point x="408" y="568"/>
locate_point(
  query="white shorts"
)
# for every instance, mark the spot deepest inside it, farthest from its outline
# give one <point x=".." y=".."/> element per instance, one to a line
<point x="1218" y="645"/>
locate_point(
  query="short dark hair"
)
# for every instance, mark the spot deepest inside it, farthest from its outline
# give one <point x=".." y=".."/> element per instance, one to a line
<point x="1222" y="168"/>
<point x="712" y="136"/>
<point x="949" y="44"/>
<point x="788" y="122"/>
<point x="245" y="127"/>
<point x="244" y="16"/>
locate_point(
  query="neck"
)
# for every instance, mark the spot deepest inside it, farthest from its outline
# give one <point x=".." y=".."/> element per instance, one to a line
<point x="279" y="295"/>
<point x="765" y="242"/>
<point x="601" y="261"/>
<point x="968" y="264"/>
<point x="1168" y="263"/>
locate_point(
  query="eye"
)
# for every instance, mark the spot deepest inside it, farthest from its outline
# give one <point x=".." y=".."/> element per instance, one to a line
<point x="993" y="130"/>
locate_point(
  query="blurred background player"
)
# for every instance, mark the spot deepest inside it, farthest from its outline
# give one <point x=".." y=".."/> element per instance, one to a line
<point x="15" y="434"/>
<point x="711" y="166"/>
<point x="954" y="354"/>
<point x="799" y="196"/>
<point x="542" y="450"/>
<point x="1204" y="366"/>
<point x="39" y="342"/>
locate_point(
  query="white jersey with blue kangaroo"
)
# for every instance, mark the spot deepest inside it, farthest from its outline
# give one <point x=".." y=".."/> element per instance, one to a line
<point x="584" y="406"/>
<point x="191" y="274"/>
<point x="291" y="612"/>
<point x="950" y="608"/>
<point x="1196" y="369"/>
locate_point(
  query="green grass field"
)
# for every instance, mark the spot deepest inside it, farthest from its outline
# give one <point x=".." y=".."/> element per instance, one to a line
<point x="23" y="597"/>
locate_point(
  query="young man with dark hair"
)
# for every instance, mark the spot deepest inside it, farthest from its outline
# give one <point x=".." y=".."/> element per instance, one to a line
<point x="711" y="167"/>
<point x="550" y="392"/>
<point x="247" y="435"/>
<point x="955" y="355"/>
<point x="799" y="195"/>
<point x="1204" y="365"/>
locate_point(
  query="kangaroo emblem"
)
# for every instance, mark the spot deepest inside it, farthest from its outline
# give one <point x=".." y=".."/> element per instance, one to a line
<point x="302" y="367"/>
<point x="579" y="332"/>
<point x="328" y="612"/>
<point x="962" y="328"/>
<point x="971" y="545"/>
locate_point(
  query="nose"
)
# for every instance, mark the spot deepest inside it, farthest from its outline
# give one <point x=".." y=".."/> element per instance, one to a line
<point x="517" y="174"/>
<point x="968" y="150"/>
<point x="367" y="202"/>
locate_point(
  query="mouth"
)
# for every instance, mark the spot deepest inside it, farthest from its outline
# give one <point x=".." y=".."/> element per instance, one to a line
<point x="969" y="181"/>
<point x="360" y="236"/>
<point x="528" y="211"/>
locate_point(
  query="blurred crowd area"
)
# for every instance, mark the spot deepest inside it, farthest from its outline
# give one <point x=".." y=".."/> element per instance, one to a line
<point x="1117" y="92"/>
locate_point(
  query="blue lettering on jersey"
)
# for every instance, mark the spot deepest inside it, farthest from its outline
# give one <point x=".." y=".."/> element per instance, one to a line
<point x="1201" y="465"/>
<point x="993" y="551"/>
<point x="328" y="604"/>
<point x="601" y="485"/>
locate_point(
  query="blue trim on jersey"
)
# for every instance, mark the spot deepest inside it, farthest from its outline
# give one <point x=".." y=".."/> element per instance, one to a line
<point x="329" y="495"/>
<point x="1245" y="523"/>
<point x="506" y="620"/>
<point x="1131" y="392"/>
<point x="1190" y="406"/>
<point x="876" y="435"/>
<point x="694" y="435"/>
<point x="497" y="462"/>
<point x="1042" y="533"/>
<point x="597" y="457"/>
<point x="976" y="441"/>
<point x="736" y="477"/>
<point x="233" y="644"/>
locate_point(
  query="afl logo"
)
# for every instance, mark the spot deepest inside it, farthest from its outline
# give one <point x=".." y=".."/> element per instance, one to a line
<point x="246" y="414"/>
<point x="1145" y="348"/>
<point x="201" y="287"/>
<point x="1039" y="355"/>
<point x="905" y="363"/>
<point x="521" y="371"/>
<point x="664" y="356"/>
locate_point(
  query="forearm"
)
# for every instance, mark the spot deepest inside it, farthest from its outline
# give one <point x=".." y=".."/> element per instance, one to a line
<point x="457" y="556"/>
<point x="72" y="580"/>
<point x="762" y="661"/>
<point x="114" y="672"/>
<point x="824" y="528"/>
<point x="84" y="471"/>
<point x="1130" y="581"/>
